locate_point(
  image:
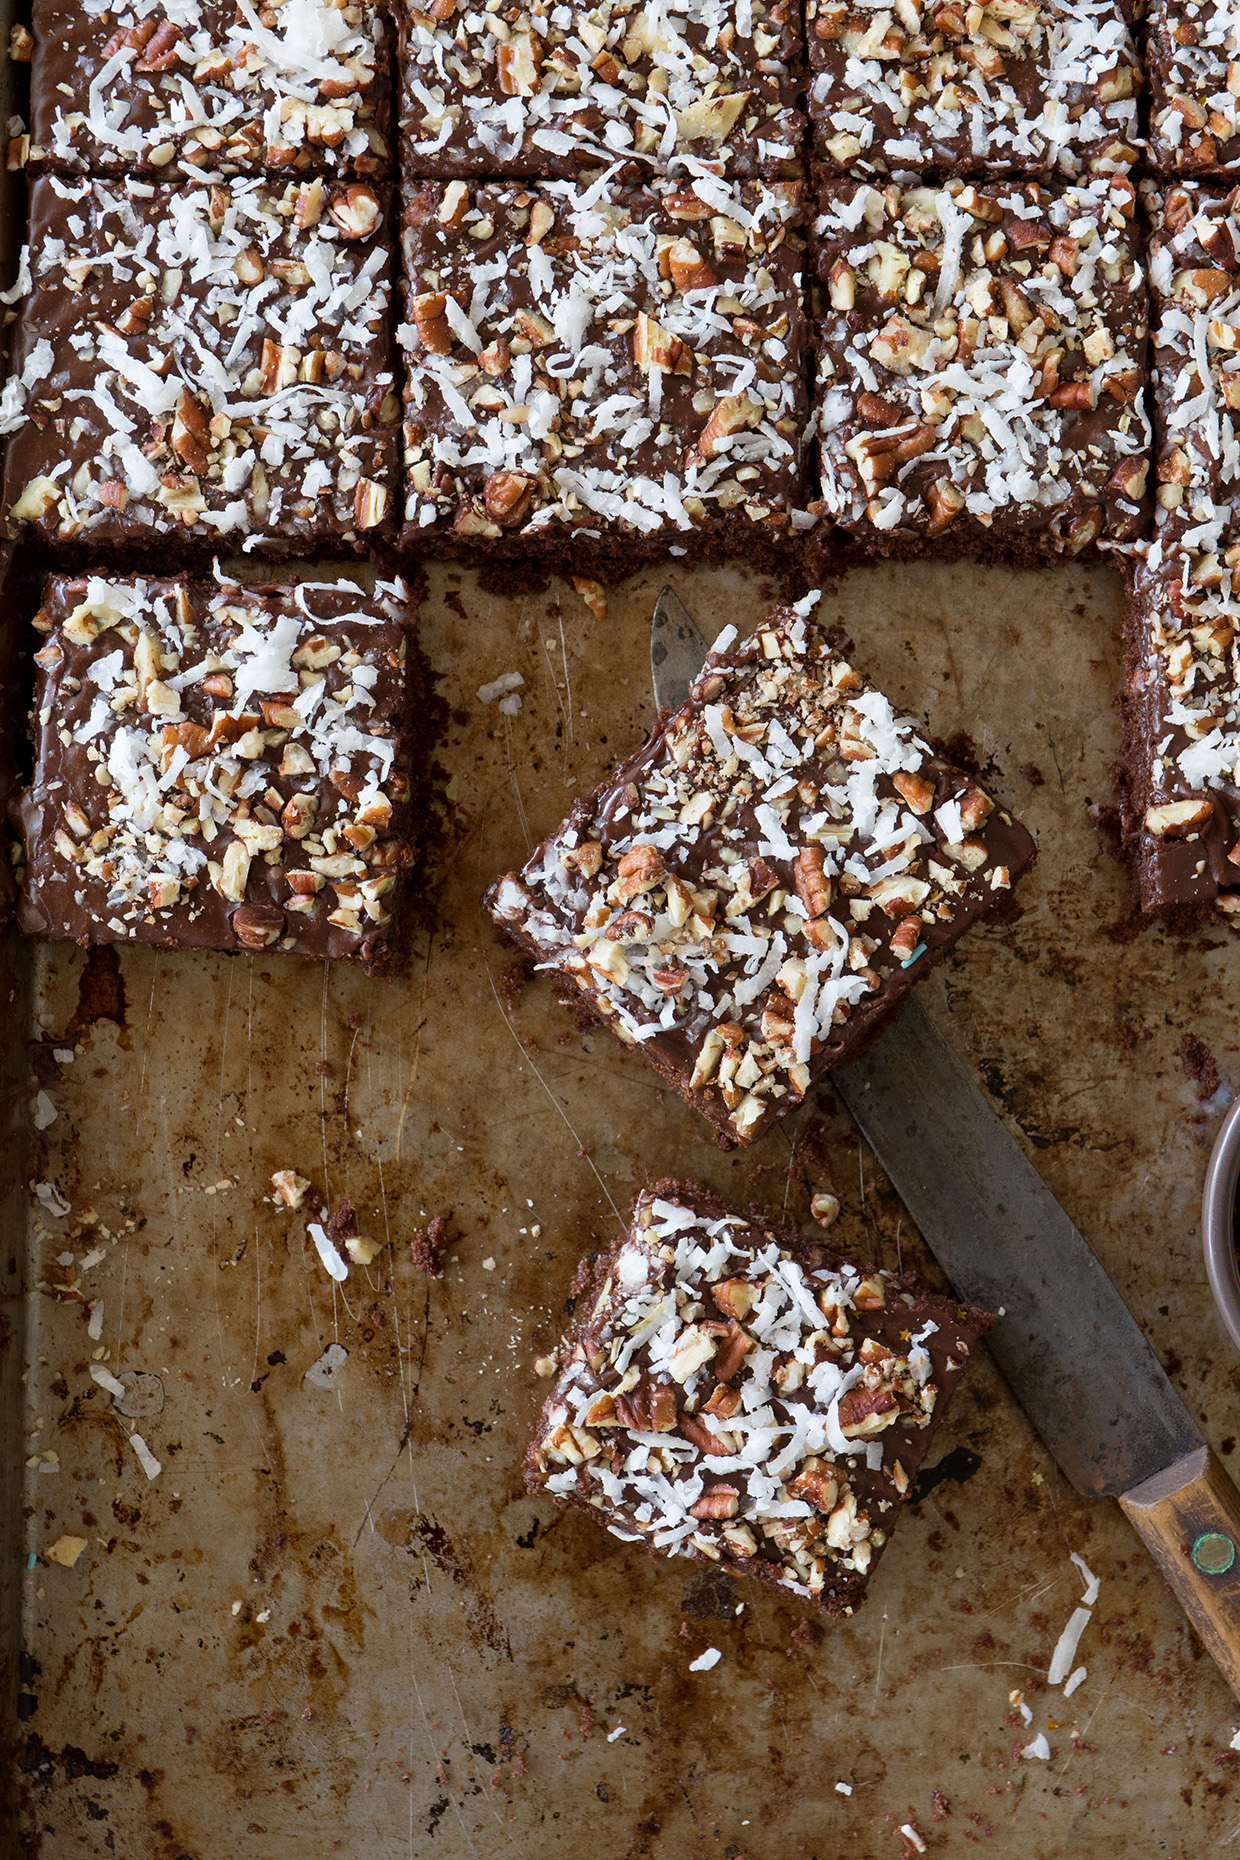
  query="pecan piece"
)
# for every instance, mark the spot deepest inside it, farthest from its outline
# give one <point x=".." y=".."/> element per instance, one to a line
<point x="698" y="1433"/>
<point x="865" y="1412"/>
<point x="508" y="496"/>
<point x="817" y="1484"/>
<point x="130" y="38"/>
<point x="733" y="413"/>
<point x="915" y="789"/>
<point x="813" y="885"/>
<point x="876" y="411"/>
<point x="735" y="1296"/>
<point x="370" y="503"/>
<point x="630" y="927"/>
<point x="717" y="1501"/>
<point x="731" y="1353"/>
<point x="870" y="1295"/>
<point x="517" y="64"/>
<point x="724" y="1402"/>
<point x="945" y="504"/>
<point x="905" y="938"/>
<point x="190" y="434"/>
<point x="638" y="871"/>
<point x="974" y="807"/>
<point x="161" y="51"/>
<point x="1073" y="396"/>
<point x="430" y="319"/>
<point x="1175" y="820"/>
<point x="134" y="318"/>
<point x="494" y="361"/>
<point x="686" y="266"/>
<point x="655" y="347"/>
<point x="660" y="1406"/>
<point x="258" y="926"/>
<point x="355" y="210"/>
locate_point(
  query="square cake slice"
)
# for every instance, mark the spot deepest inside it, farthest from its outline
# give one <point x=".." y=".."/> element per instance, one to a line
<point x="215" y="86"/>
<point x="547" y="90"/>
<point x="219" y="766"/>
<point x="207" y="363"/>
<point x="981" y="366"/>
<point x="1193" y="57"/>
<point x="1007" y="87"/>
<point x="1195" y="281"/>
<point x="1182" y="731"/>
<point x="752" y="893"/>
<point x="737" y="1394"/>
<point x="1182" y="683"/>
<point x="596" y="374"/>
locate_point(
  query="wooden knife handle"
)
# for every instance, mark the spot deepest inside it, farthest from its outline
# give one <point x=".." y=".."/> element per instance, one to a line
<point x="1189" y="1516"/>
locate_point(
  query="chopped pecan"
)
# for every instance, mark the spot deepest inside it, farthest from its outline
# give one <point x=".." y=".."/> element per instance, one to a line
<point x="906" y="937"/>
<point x="508" y="496"/>
<point x="974" y="808"/>
<point x="736" y="1297"/>
<point x="1176" y="820"/>
<point x="731" y="1353"/>
<point x="876" y="411"/>
<point x="258" y="926"/>
<point x="817" y="1484"/>
<point x="717" y="1501"/>
<point x="517" y="64"/>
<point x="638" y="871"/>
<point x="945" y="503"/>
<point x="813" y="885"/>
<point x="698" y="1432"/>
<point x="190" y="434"/>
<point x="733" y="413"/>
<point x="130" y="38"/>
<point x="1073" y="396"/>
<point x="915" y="789"/>
<point x="655" y="347"/>
<point x="865" y="1412"/>
<point x="430" y="319"/>
<point x="161" y="51"/>
<point x="725" y="1401"/>
<point x="355" y="210"/>
<point x="687" y="268"/>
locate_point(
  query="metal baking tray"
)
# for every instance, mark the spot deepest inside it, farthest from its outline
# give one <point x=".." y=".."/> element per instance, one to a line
<point x="333" y="1622"/>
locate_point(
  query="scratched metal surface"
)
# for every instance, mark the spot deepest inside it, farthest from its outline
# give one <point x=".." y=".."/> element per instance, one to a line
<point x="333" y="1623"/>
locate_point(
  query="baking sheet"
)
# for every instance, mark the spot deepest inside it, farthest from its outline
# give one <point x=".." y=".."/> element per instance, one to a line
<point x="333" y="1622"/>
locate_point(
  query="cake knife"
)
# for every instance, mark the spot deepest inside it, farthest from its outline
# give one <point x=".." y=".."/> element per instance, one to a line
<point x="1075" y="1357"/>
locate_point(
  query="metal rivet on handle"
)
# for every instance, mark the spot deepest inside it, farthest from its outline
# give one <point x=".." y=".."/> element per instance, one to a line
<point x="1213" y="1553"/>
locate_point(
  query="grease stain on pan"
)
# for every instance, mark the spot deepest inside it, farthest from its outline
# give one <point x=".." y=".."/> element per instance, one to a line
<point x="424" y="1536"/>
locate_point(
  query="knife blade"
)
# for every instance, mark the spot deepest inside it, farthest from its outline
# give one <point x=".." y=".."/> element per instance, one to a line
<point x="1074" y="1355"/>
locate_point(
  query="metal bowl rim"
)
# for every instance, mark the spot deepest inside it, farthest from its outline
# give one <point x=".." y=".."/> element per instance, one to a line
<point x="1218" y="1231"/>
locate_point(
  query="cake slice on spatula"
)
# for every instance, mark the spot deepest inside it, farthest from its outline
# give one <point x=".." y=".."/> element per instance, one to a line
<point x="750" y="895"/>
